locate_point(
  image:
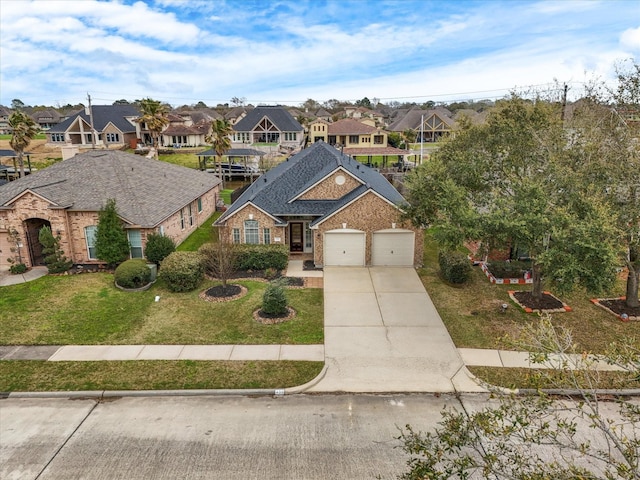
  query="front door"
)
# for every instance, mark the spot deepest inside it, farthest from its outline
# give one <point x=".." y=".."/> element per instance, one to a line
<point x="296" y="237"/>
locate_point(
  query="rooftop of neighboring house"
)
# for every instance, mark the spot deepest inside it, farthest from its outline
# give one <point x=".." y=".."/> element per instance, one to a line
<point x="279" y="116"/>
<point x="146" y="191"/>
<point x="349" y="126"/>
<point x="102" y="116"/>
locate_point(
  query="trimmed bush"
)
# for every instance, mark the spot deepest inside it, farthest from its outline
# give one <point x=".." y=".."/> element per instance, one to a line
<point x="261" y="257"/>
<point x="182" y="271"/>
<point x="133" y="273"/>
<point x="454" y="266"/>
<point x="158" y="247"/>
<point x="18" y="268"/>
<point x="274" y="300"/>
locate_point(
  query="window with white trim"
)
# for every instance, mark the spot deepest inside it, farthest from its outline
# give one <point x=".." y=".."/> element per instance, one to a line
<point x="135" y="243"/>
<point x="90" y="237"/>
<point x="182" y="218"/>
<point x="190" y="215"/>
<point x="200" y="205"/>
<point x="266" y="236"/>
<point x="251" y="234"/>
<point x="236" y="235"/>
<point x="113" y="137"/>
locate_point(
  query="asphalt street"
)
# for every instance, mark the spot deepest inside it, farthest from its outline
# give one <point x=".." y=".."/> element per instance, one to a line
<point x="349" y="436"/>
<point x="290" y="437"/>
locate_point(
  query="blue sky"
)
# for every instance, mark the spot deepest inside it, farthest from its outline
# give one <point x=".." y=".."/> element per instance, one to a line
<point x="280" y="51"/>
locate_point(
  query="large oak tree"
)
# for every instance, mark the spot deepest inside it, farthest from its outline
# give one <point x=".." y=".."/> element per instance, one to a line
<point x="517" y="180"/>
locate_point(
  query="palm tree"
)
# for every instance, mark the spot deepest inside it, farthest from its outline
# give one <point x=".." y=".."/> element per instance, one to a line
<point x="155" y="117"/>
<point x="220" y="140"/>
<point x="24" y="129"/>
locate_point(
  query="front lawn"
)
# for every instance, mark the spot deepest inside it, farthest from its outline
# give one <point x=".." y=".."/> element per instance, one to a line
<point x="472" y="312"/>
<point x="473" y="316"/>
<point x="88" y="310"/>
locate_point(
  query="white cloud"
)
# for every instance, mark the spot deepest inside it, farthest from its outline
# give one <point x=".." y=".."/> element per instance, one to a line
<point x="631" y="39"/>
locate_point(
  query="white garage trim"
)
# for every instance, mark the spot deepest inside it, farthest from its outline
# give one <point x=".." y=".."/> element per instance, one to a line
<point x="345" y="247"/>
<point x="394" y="247"/>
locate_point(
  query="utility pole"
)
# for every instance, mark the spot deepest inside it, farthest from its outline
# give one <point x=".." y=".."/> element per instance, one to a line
<point x="564" y="102"/>
<point x="93" y="130"/>
<point x="421" y="138"/>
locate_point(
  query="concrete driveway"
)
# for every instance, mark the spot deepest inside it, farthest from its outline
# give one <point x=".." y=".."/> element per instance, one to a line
<point x="383" y="334"/>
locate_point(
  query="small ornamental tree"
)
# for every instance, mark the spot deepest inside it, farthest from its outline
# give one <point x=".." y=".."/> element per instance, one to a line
<point x="274" y="300"/>
<point x="218" y="260"/>
<point x="53" y="255"/>
<point x="158" y="247"/>
<point x="112" y="245"/>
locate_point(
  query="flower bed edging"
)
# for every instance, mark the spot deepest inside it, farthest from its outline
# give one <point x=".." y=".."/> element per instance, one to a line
<point x="565" y="307"/>
<point x="503" y="281"/>
<point x="596" y="301"/>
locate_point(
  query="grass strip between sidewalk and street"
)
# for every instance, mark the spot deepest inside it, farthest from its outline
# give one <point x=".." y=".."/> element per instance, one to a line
<point x="42" y="376"/>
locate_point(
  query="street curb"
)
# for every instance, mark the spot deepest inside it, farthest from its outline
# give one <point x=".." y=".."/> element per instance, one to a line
<point x="112" y="394"/>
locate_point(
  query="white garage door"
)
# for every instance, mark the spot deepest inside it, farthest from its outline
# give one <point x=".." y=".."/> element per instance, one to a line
<point x="344" y="248"/>
<point x="393" y="247"/>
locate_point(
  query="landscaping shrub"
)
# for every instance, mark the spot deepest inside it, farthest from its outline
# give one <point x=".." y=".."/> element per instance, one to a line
<point x="261" y="257"/>
<point x="133" y="273"/>
<point x="17" y="268"/>
<point x="158" y="247"/>
<point x="54" y="256"/>
<point x="274" y="300"/>
<point x="182" y="271"/>
<point x="454" y="266"/>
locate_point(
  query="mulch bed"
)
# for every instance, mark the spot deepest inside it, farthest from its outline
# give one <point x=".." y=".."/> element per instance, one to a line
<point x="222" y="294"/>
<point x="266" y="319"/>
<point x="309" y="265"/>
<point x="547" y="303"/>
<point x="617" y="307"/>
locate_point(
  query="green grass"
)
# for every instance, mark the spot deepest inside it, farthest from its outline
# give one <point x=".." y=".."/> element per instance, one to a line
<point x="226" y="195"/>
<point x="39" y="376"/>
<point x="88" y="310"/>
<point x="472" y="315"/>
<point x="203" y="234"/>
<point x="40" y="136"/>
<point x="189" y="159"/>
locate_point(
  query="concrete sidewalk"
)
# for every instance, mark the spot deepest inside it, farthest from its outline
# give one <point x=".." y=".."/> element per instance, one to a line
<point x="85" y="353"/>
<point x="34" y="273"/>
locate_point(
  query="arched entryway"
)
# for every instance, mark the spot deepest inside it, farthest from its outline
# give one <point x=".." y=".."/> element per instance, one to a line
<point x="32" y="228"/>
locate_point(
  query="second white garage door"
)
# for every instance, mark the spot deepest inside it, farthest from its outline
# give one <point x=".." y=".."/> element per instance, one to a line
<point x="393" y="247"/>
<point x="344" y="248"/>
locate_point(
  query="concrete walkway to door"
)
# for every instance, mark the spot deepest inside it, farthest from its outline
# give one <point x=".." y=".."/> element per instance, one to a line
<point x="383" y="334"/>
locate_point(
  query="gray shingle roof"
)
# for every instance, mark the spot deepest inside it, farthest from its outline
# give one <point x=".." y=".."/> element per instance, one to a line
<point x="274" y="191"/>
<point x="102" y="116"/>
<point x="280" y="117"/>
<point x="146" y="191"/>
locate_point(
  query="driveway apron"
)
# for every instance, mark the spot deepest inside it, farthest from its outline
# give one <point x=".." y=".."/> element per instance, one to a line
<point x="383" y="334"/>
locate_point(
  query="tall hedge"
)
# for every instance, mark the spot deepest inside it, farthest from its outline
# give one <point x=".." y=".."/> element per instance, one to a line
<point x="182" y="271"/>
<point x="455" y="267"/>
<point x="261" y="257"/>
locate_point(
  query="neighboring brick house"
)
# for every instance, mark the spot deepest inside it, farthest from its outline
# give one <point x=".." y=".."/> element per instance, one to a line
<point x="324" y="203"/>
<point x="187" y="129"/>
<point x="268" y="125"/>
<point x="430" y="124"/>
<point x="359" y="139"/>
<point x="46" y="119"/>
<point x="5" y="113"/>
<point x="114" y="126"/>
<point x="151" y="196"/>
